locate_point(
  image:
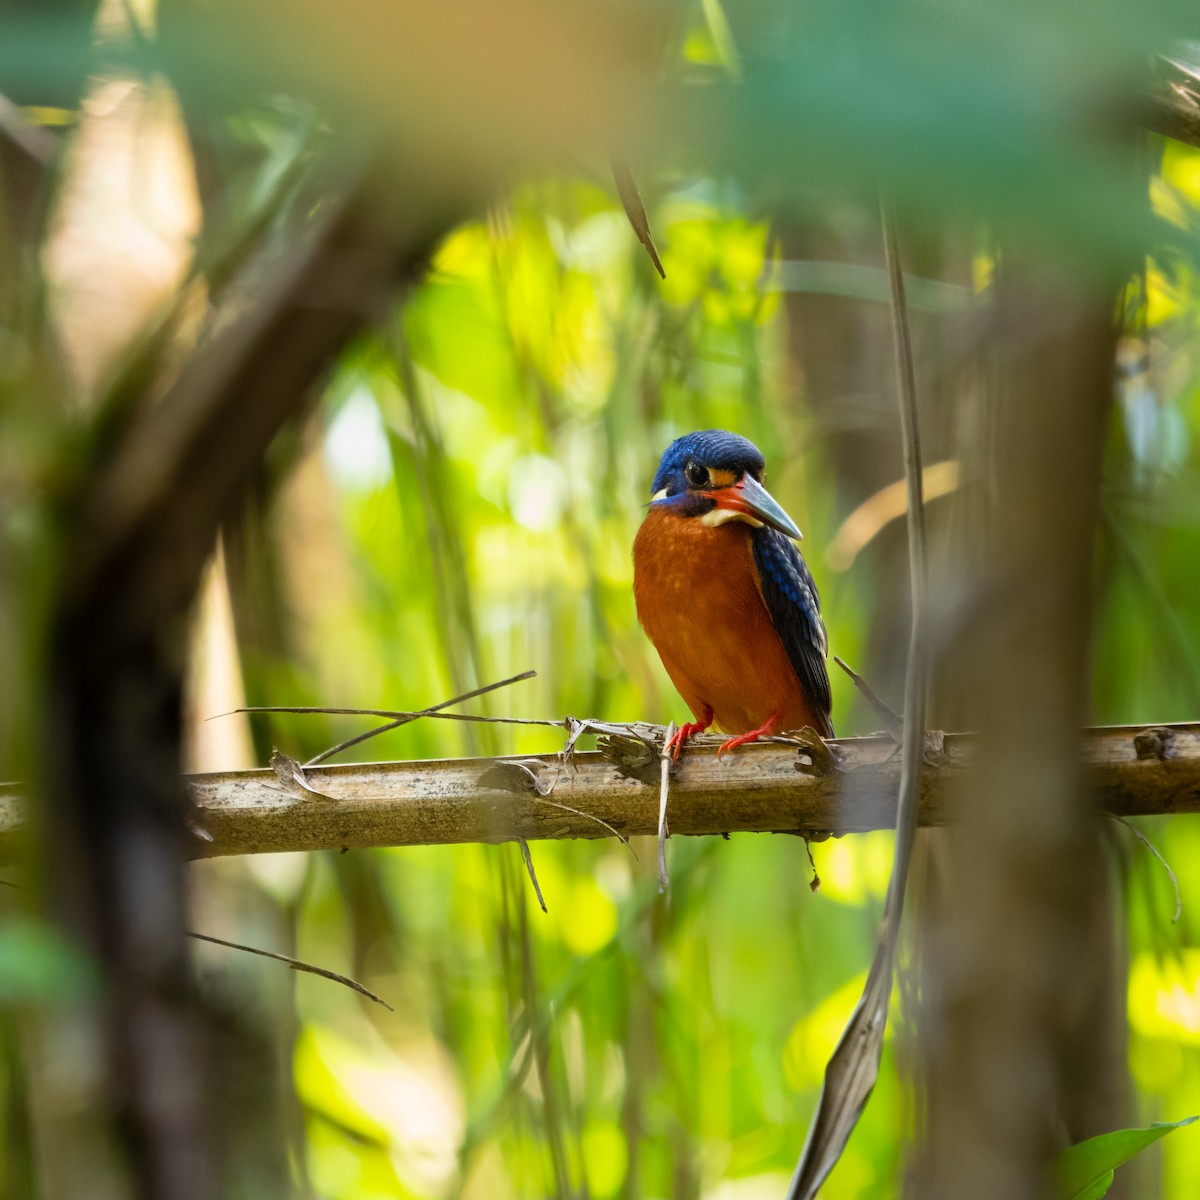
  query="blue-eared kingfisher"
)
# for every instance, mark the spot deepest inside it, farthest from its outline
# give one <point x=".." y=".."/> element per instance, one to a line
<point x="725" y="596"/>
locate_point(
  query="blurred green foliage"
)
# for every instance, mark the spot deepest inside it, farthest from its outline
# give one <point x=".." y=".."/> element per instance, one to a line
<point x="488" y="455"/>
<point x="463" y="506"/>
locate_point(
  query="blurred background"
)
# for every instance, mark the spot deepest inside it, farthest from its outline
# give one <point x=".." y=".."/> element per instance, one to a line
<point x="449" y="496"/>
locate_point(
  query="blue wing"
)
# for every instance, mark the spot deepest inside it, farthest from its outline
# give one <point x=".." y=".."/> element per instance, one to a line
<point x="795" y="609"/>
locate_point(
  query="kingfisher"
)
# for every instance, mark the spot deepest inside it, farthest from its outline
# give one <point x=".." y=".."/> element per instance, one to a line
<point x="725" y="596"/>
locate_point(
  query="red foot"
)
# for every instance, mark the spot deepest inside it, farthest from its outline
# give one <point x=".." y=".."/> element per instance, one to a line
<point x="764" y="730"/>
<point x="685" y="731"/>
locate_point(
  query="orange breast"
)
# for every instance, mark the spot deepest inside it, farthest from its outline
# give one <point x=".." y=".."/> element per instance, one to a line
<point x="697" y="595"/>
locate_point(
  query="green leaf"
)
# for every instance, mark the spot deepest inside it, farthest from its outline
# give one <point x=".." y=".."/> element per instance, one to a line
<point x="1097" y="1188"/>
<point x="1085" y="1171"/>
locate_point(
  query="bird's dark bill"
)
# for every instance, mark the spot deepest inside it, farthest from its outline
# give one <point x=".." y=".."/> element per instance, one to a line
<point x="750" y="497"/>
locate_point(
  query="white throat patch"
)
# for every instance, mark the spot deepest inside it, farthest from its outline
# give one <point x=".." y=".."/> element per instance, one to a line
<point x="719" y="516"/>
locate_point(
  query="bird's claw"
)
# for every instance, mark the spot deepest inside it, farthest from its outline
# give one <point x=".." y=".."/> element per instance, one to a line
<point x="734" y="742"/>
<point x="681" y="735"/>
<point x="764" y="730"/>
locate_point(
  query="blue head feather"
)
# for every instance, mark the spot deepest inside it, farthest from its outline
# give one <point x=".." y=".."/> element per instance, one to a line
<point x="716" y="449"/>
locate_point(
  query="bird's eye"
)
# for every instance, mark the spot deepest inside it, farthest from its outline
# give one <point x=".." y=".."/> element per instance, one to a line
<point x="697" y="476"/>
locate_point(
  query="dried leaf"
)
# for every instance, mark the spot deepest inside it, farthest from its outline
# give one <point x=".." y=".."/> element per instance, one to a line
<point x="291" y="774"/>
<point x="634" y="756"/>
<point x="850" y="1076"/>
<point x="516" y="775"/>
<point x="537" y="888"/>
<point x="635" y="210"/>
<point x="815" y="755"/>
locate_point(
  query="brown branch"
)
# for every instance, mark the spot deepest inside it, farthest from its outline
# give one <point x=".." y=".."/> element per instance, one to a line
<point x="140" y="521"/>
<point x="1134" y="771"/>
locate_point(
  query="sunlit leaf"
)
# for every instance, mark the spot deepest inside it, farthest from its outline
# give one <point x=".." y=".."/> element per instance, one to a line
<point x="1085" y="1171"/>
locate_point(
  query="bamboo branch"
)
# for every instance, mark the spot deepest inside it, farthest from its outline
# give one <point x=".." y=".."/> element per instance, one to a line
<point x="1136" y="771"/>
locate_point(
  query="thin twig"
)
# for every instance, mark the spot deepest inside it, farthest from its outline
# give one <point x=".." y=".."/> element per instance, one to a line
<point x="854" y="1066"/>
<point x="397" y="718"/>
<point x="587" y="817"/>
<point x="638" y="730"/>
<point x="296" y="964"/>
<point x="892" y="721"/>
<point x="408" y="715"/>
<point x="388" y="712"/>
<point x="664" y="788"/>
<point x="1157" y="854"/>
<point x="537" y="889"/>
<point x="404" y="720"/>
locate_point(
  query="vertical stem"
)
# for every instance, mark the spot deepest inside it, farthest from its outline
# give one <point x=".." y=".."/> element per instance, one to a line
<point x="916" y="677"/>
<point x="1014" y="1003"/>
<point x="854" y="1066"/>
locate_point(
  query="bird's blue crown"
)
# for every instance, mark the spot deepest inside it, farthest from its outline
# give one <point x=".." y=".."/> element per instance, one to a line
<point x="716" y="449"/>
